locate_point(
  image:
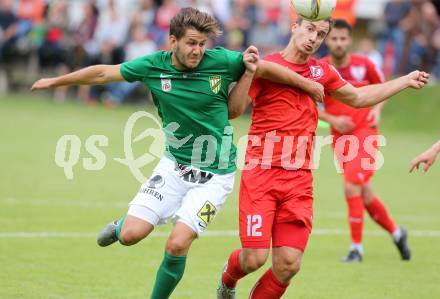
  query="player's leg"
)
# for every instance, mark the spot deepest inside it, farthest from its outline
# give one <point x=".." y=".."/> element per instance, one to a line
<point x="199" y="207"/>
<point x="373" y="204"/>
<point x="291" y="230"/>
<point x="173" y="264"/>
<point x="156" y="201"/>
<point x="130" y="229"/>
<point x="257" y="209"/>
<point x="353" y="197"/>
<point x="379" y="213"/>
<point x="240" y="263"/>
<point x="289" y="242"/>
<point x="355" y="214"/>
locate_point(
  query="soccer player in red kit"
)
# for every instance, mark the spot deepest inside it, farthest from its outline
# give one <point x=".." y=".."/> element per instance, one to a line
<point x="360" y="124"/>
<point x="276" y="193"/>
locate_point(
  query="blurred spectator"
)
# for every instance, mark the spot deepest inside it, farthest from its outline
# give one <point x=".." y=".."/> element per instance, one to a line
<point x="83" y="44"/>
<point x="110" y="36"/>
<point x="269" y="11"/>
<point x="8" y="29"/>
<point x="70" y="34"/>
<point x="367" y="47"/>
<point x="30" y="13"/>
<point x="392" y="42"/>
<point x="222" y="10"/>
<point x="138" y="46"/>
<point x="165" y="13"/>
<point x="345" y="11"/>
<point x="419" y="26"/>
<point x="145" y="15"/>
<point x="265" y="37"/>
<point x="83" y="36"/>
<point x="53" y="52"/>
<point x="244" y="17"/>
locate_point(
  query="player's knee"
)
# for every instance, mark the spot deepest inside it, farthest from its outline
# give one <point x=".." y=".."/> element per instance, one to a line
<point x="253" y="261"/>
<point x="130" y="236"/>
<point x="176" y="247"/>
<point x="352" y="189"/>
<point x="367" y="196"/>
<point x="286" y="267"/>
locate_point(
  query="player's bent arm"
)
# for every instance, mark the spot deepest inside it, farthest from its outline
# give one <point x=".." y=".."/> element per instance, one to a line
<point x="92" y="75"/>
<point x="239" y="98"/>
<point x="371" y="95"/>
<point x="327" y="117"/>
<point x="379" y="107"/>
<point x="280" y="74"/>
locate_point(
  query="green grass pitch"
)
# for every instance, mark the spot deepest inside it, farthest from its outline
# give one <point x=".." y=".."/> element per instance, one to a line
<point x="48" y="224"/>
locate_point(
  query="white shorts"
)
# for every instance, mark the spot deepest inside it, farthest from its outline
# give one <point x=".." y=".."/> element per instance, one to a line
<point x="183" y="193"/>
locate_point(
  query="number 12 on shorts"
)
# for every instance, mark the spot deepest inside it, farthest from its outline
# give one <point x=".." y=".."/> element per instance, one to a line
<point x="253" y="225"/>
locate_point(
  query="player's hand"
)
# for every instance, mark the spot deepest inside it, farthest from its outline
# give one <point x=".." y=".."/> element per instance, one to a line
<point x="342" y="124"/>
<point x="43" y="84"/>
<point x="427" y="157"/>
<point x="374" y="117"/>
<point x="250" y="59"/>
<point x="417" y="79"/>
<point x="315" y="90"/>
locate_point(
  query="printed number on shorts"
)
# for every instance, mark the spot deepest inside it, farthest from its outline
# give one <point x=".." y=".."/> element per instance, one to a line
<point x="253" y="225"/>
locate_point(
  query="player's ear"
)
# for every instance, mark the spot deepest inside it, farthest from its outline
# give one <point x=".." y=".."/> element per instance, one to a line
<point x="294" y="26"/>
<point x="172" y="40"/>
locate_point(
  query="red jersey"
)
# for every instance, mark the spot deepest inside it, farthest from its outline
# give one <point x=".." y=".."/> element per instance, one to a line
<point x="284" y="119"/>
<point x="359" y="72"/>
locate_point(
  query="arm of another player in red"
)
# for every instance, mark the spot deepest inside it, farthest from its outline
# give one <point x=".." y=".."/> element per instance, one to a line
<point x="428" y="157"/>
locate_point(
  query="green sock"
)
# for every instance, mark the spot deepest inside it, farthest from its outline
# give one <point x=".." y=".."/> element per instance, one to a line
<point x="168" y="276"/>
<point x="119" y="227"/>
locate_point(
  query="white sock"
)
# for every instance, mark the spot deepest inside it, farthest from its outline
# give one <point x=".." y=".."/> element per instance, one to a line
<point x="397" y="234"/>
<point x="357" y="247"/>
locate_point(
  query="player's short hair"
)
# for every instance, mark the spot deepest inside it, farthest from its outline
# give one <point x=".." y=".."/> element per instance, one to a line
<point x="342" y="24"/>
<point x="192" y="18"/>
<point x="299" y="21"/>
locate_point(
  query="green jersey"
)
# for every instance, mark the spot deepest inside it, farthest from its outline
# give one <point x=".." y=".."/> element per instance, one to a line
<point x="193" y="105"/>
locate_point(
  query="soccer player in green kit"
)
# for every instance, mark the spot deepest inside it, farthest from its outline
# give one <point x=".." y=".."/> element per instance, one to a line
<point x="190" y="87"/>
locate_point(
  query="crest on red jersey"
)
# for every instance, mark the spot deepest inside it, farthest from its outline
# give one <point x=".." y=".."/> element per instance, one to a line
<point x="316" y="71"/>
<point x="358" y="72"/>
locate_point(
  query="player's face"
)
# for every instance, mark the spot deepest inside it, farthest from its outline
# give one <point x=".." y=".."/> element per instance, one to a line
<point x="189" y="50"/>
<point x="308" y="36"/>
<point x="338" y="41"/>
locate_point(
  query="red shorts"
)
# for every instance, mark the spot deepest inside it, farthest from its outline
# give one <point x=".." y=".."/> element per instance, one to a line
<point x="276" y="204"/>
<point x="359" y="165"/>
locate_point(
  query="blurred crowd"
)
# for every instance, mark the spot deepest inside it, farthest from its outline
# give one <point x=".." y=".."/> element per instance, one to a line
<point x="63" y="36"/>
<point x="411" y="36"/>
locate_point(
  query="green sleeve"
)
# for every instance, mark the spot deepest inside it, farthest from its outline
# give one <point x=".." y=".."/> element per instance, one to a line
<point x="235" y="64"/>
<point x="136" y="70"/>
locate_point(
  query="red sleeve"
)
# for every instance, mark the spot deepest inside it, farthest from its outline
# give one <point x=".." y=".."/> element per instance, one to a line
<point x="255" y="89"/>
<point x="332" y="80"/>
<point x="375" y="76"/>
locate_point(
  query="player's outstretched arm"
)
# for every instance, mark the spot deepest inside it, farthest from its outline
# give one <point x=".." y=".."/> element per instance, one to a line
<point x="428" y="157"/>
<point x="371" y="95"/>
<point x="92" y="75"/>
